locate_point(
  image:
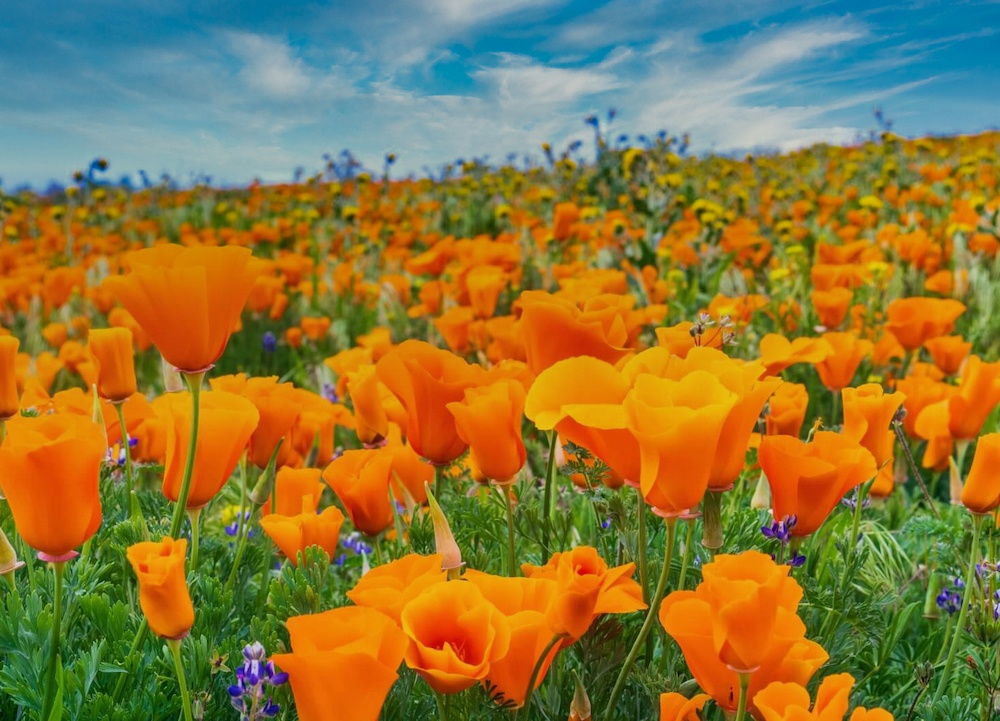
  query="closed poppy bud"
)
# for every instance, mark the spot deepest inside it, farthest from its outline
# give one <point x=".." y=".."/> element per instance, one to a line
<point x="444" y="540"/>
<point x="868" y="414"/>
<point x="455" y="634"/>
<point x="227" y="421"/>
<point x="948" y="352"/>
<point x="294" y="534"/>
<point x="9" y="404"/>
<point x="54" y="456"/>
<point x="163" y="590"/>
<point x="981" y="493"/>
<point x="579" y="707"/>
<point x="112" y="347"/>
<point x="809" y="479"/>
<point x="344" y="659"/>
<point x="489" y="420"/>
<point x="187" y="299"/>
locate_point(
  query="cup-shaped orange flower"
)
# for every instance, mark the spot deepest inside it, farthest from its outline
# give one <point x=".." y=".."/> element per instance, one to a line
<point x="163" y="590"/>
<point x="868" y="413"/>
<point x="297" y="490"/>
<point x="916" y="320"/>
<point x="978" y="394"/>
<point x="808" y="479"/>
<point x="361" y="478"/>
<point x="389" y="587"/>
<point x="455" y="634"/>
<point x="426" y="379"/>
<point x="791" y="702"/>
<point x="112" y="347"/>
<point x="787" y="410"/>
<point x="345" y="659"/>
<point x="837" y="370"/>
<point x="227" y="422"/>
<point x="279" y="407"/>
<point x="948" y="352"/>
<point x="294" y="534"/>
<point x="677" y="707"/>
<point x="49" y="472"/>
<point x="9" y="404"/>
<point x="831" y="305"/>
<point x="188" y="300"/>
<point x="489" y="420"/>
<point x="556" y="328"/>
<point x="981" y="493"/>
<point x="678" y="425"/>
<point x="778" y="353"/>
<point x="370" y="419"/>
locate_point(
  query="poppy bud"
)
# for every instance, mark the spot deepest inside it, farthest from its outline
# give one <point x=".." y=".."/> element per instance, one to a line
<point x="9" y="404"/>
<point x="444" y="539"/>
<point x="163" y="591"/>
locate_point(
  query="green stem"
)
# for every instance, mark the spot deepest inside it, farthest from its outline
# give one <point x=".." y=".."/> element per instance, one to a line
<point x="970" y="578"/>
<point x="124" y="677"/>
<point x="741" y="710"/>
<point x="642" y="542"/>
<point x="50" y="673"/>
<point x="241" y="544"/>
<point x="534" y="675"/>
<point x="686" y="558"/>
<point x="194" y="382"/>
<point x="438" y="481"/>
<point x="442" y="704"/>
<point x="133" y="502"/>
<point x="835" y="412"/>
<point x="194" y="515"/>
<point x="175" y="651"/>
<point x="511" y="546"/>
<point x="859" y="501"/>
<point x="550" y="481"/>
<point x="647" y="625"/>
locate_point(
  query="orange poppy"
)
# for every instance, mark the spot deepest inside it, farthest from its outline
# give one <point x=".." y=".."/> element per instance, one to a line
<point x="868" y="413"/>
<point x="112" y="347"/>
<point x="916" y="320"/>
<point x="837" y="370"/>
<point x="791" y="702"/>
<point x="370" y="419"/>
<point x="808" y="479"/>
<point x="831" y="306"/>
<point x="297" y="490"/>
<point x="187" y="299"/>
<point x="163" y="590"/>
<point x="677" y="707"/>
<point x="787" y="410"/>
<point x="948" y="352"/>
<point x="9" y="403"/>
<point x="293" y="534"/>
<point x="778" y="353"/>
<point x="49" y="472"/>
<point x="388" y="588"/>
<point x="226" y="424"/>
<point x="981" y="493"/>
<point x="346" y="659"/>
<point x="489" y="420"/>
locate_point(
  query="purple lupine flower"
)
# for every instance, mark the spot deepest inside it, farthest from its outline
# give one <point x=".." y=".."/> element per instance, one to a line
<point x="253" y="678"/>
<point x="269" y="342"/>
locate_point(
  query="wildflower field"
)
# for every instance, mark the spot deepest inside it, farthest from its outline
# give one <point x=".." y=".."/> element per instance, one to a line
<point x="655" y="436"/>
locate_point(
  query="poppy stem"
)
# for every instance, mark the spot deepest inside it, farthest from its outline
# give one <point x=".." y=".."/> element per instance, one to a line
<point x="970" y="577"/>
<point x="175" y="651"/>
<point x="442" y="704"/>
<point x="505" y="491"/>
<point x="686" y="558"/>
<point x="50" y="674"/>
<point x="194" y="382"/>
<point x="438" y="480"/>
<point x="194" y="515"/>
<point x="642" y="542"/>
<point x="647" y="625"/>
<point x="123" y="677"/>
<point x="741" y="709"/>
<point x="550" y="480"/>
<point x="534" y="675"/>
<point x="133" y="501"/>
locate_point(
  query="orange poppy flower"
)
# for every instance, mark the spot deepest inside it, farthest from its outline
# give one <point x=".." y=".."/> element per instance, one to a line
<point x="278" y="405"/>
<point x="388" y="588"/>
<point x="163" y="590"/>
<point x="920" y="392"/>
<point x="948" y="352"/>
<point x="227" y="422"/>
<point x="678" y="339"/>
<point x="868" y="413"/>
<point x="916" y="320"/>
<point x="981" y="493"/>
<point x="455" y="635"/>
<point x="556" y="328"/>
<point x="808" y="479"/>
<point x="485" y="283"/>
<point x="112" y="347"/>
<point x="9" y="403"/>
<point x="838" y="369"/>
<point x="370" y="419"/>
<point x="297" y="490"/>
<point x="346" y="659"/>
<point x="426" y="379"/>
<point x="778" y="353"/>
<point x="293" y="534"/>
<point x="187" y="299"/>
<point x="978" y="394"/>
<point x="677" y="707"/>
<point x="363" y="480"/>
<point x="489" y="420"/>
<point x="831" y="306"/>
<point x="791" y="702"/>
<point x="49" y="472"/>
<point x="787" y="410"/>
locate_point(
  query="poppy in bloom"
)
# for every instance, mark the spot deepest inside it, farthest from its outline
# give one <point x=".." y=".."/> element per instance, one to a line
<point x="48" y="458"/>
<point x="838" y="369"/>
<point x="778" y="353"/>
<point x="370" y="419"/>
<point x="787" y="410"/>
<point x="297" y="490"/>
<point x="227" y="422"/>
<point x="978" y="394"/>
<point x="948" y="352"/>
<point x="345" y="659"/>
<point x="163" y="590"/>
<point x="489" y="420"/>
<point x="742" y="618"/>
<point x="112" y="347"/>
<point x="808" y="479"/>
<point x="791" y="702"/>
<point x="455" y="634"/>
<point x="585" y="589"/>
<point x="278" y="405"/>
<point x="914" y="321"/>
<point x="9" y="404"/>
<point x="389" y="587"/>
<point x="677" y="707"/>
<point x="831" y="306"/>
<point x="294" y="534"/>
<point x="981" y="493"/>
<point x="426" y="379"/>
<point x="361" y="478"/>
<point x="188" y="300"/>
<point x="868" y="413"/>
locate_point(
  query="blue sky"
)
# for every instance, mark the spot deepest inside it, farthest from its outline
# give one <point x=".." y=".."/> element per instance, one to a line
<point x="240" y="89"/>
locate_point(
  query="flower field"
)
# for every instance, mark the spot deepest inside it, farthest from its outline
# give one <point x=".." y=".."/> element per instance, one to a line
<point x="655" y="436"/>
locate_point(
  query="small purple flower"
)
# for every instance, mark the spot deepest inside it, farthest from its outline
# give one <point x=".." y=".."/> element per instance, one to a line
<point x="781" y="530"/>
<point x="269" y="342"/>
<point x="329" y="391"/>
<point x="256" y="674"/>
<point x="797" y="559"/>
